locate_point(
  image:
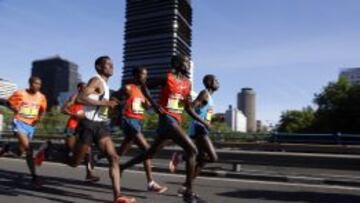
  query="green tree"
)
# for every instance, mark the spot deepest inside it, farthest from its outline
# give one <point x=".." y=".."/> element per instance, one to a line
<point x="53" y="122"/>
<point x="150" y="121"/>
<point x="338" y="108"/>
<point x="8" y="115"/>
<point x="296" y="121"/>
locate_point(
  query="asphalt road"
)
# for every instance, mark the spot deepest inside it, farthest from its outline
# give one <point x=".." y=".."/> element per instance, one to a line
<point x="65" y="184"/>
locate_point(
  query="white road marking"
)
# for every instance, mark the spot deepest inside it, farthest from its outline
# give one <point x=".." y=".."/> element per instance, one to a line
<point x="303" y="185"/>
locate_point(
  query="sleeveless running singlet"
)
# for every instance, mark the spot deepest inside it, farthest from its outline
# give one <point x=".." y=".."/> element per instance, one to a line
<point x="98" y="113"/>
<point x="174" y="94"/>
<point x="134" y="107"/>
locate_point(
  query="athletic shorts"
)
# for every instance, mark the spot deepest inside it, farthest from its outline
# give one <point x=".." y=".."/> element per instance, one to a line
<point x="166" y="124"/>
<point x="131" y="126"/>
<point x="92" y="131"/>
<point x="197" y="129"/>
<point x="22" y="128"/>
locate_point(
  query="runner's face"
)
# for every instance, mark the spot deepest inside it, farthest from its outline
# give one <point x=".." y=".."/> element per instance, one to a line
<point x="142" y="76"/>
<point x="81" y="87"/>
<point x="35" y="86"/>
<point x="185" y="67"/>
<point x="215" y="84"/>
<point x="108" y="67"/>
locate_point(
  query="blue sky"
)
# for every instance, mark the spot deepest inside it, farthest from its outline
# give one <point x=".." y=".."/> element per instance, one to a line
<point x="285" y="50"/>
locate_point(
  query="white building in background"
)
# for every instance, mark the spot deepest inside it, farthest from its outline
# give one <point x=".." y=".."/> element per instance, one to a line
<point x="352" y="74"/>
<point x="235" y="119"/>
<point x="7" y="88"/>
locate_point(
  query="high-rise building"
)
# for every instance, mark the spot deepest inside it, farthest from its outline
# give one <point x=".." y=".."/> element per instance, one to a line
<point x="235" y="119"/>
<point x="352" y="74"/>
<point x="58" y="75"/>
<point x="6" y="88"/>
<point x="246" y="103"/>
<point x="155" y="30"/>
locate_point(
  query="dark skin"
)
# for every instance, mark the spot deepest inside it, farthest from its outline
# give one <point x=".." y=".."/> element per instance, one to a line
<point x="178" y="135"/>
<point x="105" y="144"/>
<point x="24" y="142"/>
<point x="70" y="141"/>
<point x="139" y="139"/>
<point x="207" y="153"/>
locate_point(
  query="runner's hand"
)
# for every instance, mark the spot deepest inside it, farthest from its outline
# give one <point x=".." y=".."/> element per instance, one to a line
<point x="208" y="125"/>
<point x="110" y="103"/>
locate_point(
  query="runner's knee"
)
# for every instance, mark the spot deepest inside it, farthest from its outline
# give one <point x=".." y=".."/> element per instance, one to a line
<point x="114" y="158"/>
<point x="213" y="157"/>
<point x="191" y="152"/>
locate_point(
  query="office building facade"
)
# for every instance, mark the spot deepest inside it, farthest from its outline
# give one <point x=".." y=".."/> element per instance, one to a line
<point x="155" y="30"/>
<point x="58" y="75"/>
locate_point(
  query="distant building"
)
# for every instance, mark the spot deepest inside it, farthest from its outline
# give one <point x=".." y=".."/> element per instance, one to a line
<point x="63" y="97"/>
<point x="259" y="125"/>
<point x="155" y="30"/>
<point x="352" y="74"/>
<point x="246" y="102"/>
<point x="58" y="75"/>
<point x="235" y="119"/>
<point x="6" y="88"/>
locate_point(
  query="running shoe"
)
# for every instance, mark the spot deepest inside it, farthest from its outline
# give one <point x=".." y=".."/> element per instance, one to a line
<point x="5" y="150"/>
<point x="176" y="159"/>
<point x="181" y="191"/>
<point x="125" y="199"/>
<point x="190" y="197"/>
<point x="155" y="187"/>
<point x="92" y="178"/>
<point x="39" y="158"/>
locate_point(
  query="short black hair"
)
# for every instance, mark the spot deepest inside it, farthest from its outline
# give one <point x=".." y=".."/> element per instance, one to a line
<point x="208" y="79"/>
<point x="80" y="84"/>
<point x="138" y="70"/>
<point x="33" y="79"/>
<point x="100" y="60"/>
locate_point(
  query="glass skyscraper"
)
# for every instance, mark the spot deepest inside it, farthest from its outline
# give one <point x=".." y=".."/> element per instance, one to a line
<point x="155" y="30"/>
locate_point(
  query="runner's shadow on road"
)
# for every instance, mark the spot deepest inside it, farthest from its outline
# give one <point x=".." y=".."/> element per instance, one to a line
<point x="310" y="197"/>
<point x="16" y="183"/>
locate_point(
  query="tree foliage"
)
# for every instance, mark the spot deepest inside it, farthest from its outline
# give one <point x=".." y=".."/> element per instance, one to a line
<point x="338" y="110"/>
<point x="296" y="121"/>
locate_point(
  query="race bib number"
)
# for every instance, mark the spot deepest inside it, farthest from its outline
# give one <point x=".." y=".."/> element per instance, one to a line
<point x="104" y="112"/>
<point x="175" y="103"/>
<point x="29" y="111"/>
<point x="209" y="114"/>
<point x="137" y="106"/>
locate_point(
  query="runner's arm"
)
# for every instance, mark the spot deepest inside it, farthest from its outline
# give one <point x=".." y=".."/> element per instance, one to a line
<point x="121" y="95"/>
<point x="189" y="107"/>
<point x="65" y="109"/>
<point x="42" y="110"/>
<point x="14" y="101"/>
<point x="200" y="100"/>
<point x="91" y="88"/>
<point x="148" y="97"/>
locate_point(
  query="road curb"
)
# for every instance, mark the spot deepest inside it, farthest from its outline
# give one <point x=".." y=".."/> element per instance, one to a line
<point x="266" y="177"/>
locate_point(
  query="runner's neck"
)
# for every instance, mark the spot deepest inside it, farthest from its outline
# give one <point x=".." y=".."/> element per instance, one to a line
<point x="31" y="91"/>
<point x="105" y="78"/>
